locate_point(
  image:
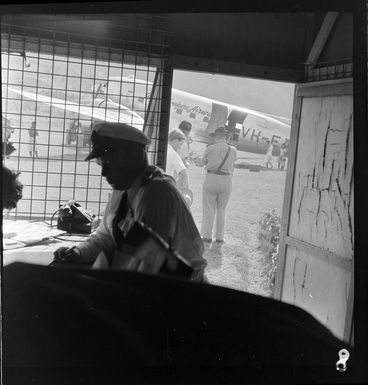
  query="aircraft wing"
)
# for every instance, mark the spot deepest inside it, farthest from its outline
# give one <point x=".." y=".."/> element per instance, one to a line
<point x="123" y="114"/>
<point x="230" y="107"/>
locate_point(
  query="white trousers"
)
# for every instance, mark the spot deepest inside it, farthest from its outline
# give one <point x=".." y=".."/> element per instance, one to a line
<point x="216" y="194"/>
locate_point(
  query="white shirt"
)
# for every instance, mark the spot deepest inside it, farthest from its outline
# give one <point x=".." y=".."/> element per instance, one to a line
<point x="174" y="164"/>
<point x="185" y="149"/>
<point x="269" y="150"/>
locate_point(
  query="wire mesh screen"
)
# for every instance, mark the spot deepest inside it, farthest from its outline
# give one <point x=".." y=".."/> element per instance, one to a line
<point x="52" y="92"/>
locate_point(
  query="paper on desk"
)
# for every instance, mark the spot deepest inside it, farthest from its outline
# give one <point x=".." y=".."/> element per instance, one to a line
<point x="24" y="233"/>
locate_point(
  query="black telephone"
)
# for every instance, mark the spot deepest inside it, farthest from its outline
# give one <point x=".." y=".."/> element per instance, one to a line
<point x="74" y="219"/>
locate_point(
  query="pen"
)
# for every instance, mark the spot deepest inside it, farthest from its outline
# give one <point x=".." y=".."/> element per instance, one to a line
<point x="63" y="258"/>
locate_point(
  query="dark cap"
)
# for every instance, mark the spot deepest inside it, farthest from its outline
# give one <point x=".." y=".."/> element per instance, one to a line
<point x="185" y="125"/>
<point x="108" y="136"/>
<point x="219" y="131"/>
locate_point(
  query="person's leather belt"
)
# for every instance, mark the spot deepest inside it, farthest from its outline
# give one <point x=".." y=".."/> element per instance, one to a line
<point x="218" y="172"/>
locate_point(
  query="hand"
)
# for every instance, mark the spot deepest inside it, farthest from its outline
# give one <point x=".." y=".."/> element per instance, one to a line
<point x="67" y="255"/>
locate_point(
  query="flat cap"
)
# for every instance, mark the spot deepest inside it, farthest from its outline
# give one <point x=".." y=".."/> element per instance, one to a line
<point x="176" y="134"/>
<point x="221" y="131"/>
<point x="185" y="125"/>
<point x="108" y="136"/>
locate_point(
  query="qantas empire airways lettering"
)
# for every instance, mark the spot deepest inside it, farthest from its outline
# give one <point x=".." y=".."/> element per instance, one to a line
<point x="250" y="133"/>
<point x="194" y="110"/>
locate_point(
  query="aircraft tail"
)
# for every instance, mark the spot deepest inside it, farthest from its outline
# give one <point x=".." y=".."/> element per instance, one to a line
<point x="218" y="117"/>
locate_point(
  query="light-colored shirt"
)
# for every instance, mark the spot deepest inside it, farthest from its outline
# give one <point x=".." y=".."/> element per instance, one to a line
<point x="174" y="163"/>
<point x="215" y="154"/>
<point x="185" y="149"/>
<point x="158" y="203"/>
<point x="269" y="150"/>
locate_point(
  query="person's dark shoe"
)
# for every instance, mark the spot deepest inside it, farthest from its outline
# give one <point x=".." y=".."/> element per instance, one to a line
<point x="220" y="241"/>
<point x="206" y="240"/>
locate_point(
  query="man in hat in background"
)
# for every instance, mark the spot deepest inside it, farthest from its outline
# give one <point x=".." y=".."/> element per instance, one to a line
<point x="218" y="159"/>
<point x="141" y="192"/>
<point x="184" y="151"/>
<point x="175" y="165"/>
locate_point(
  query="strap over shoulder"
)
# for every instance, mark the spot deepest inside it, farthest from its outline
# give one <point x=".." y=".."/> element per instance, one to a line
<point x="226" y="156"/>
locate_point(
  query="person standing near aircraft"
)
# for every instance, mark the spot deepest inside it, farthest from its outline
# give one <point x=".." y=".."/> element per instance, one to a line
<point x="175" y="166"/>
<point x="184" y="152"/>
<point x="269" y="154"/>
<point x="282" y="157"/>
<point x="73" y="129"/>
<point x="219" y="159"/>
<point x="33" y="133"/>
<point x="141" y="192"/>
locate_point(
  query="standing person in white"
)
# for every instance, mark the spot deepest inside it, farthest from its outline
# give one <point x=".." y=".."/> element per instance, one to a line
<point x="218" y="159"/>
<point x="175" y="165"/>
<point x="184" y="152"/>
<point x="33" y="133"/>
<point x="269" y="154"/>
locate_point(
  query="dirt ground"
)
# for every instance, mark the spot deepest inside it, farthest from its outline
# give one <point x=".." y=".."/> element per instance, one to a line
<point x="238" y="263"/>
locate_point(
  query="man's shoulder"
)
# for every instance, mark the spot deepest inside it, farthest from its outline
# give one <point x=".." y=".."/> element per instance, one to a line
<point x="157" y="179"/>
<point x="160" y="190"/>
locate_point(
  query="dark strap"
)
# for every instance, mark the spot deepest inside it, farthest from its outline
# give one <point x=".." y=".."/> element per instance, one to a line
<point x="226" y="156"/>
<point x="218" y="172"/>
<point x="120" y="214"/>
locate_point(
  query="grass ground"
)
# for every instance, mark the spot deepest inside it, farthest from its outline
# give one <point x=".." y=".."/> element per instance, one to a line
<point x="238" y="263"/>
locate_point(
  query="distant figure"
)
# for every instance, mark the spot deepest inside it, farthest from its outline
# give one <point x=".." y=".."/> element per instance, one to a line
<point x="33" y="133"/>
<point x="185" y="153"/>
<point x="175" y="165"/>
<point x="86" y="133"/>
<point x="282" y="157"/>
<point x="7" y="130"/>
<point x="269" y="154"/>
<point x="72" y="131"/>
<point x="11" y="188"/>
<point x="219" y="159"/>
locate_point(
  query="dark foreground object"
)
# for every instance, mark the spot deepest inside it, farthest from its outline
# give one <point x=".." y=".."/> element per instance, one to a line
<point x="76" y="327"/>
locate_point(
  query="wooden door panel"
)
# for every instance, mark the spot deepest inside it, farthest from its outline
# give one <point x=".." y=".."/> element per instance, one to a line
<point x="316" y="253"/>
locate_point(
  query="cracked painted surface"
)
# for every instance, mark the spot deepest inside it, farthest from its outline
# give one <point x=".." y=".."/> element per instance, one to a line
<point x="322" y="206"/>
<point x="322" y="210"/>
<point x="320" y="288"/>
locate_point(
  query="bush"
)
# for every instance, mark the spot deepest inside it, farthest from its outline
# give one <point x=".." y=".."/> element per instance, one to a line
<point x="268" y="237"/>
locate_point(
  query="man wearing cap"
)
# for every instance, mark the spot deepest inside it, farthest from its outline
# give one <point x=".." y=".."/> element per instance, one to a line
<point x="141" y="192"/>
<point x="174" y="164"/>
<point x="184" y="151"/>
<point x="219" y="159"/>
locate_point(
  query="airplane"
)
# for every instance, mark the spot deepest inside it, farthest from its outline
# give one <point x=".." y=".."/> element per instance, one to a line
<point x="248" y="129"/>
<point x="125" y="99"/>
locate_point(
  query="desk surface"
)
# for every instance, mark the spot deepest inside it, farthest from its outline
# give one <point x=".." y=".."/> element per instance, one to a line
<point x="41" y="253"/>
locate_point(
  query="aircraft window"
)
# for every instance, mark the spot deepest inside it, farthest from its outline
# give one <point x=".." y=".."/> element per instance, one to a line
<point x="179" y="111"/>
<point x="206" y="119"/>
<point x="192" y="115"/>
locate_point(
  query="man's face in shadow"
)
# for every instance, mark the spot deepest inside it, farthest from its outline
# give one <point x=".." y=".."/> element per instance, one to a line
<point x="119" y="168"/>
